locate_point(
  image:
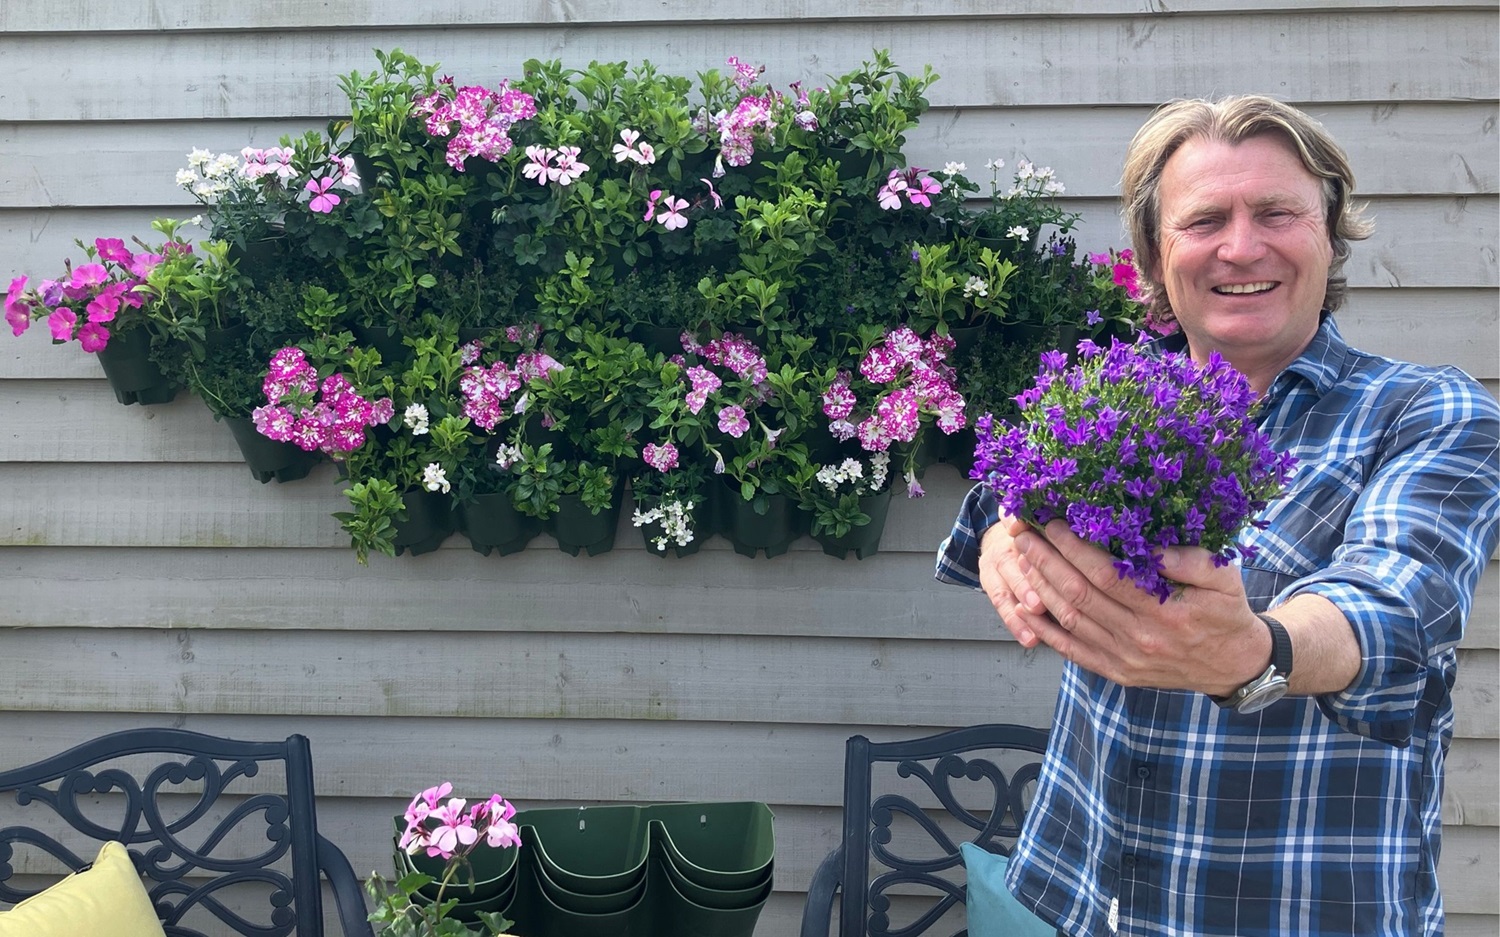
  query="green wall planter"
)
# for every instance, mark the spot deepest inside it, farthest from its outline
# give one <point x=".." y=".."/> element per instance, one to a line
<point x="491" y="522"/>
<point x="577" y="528"/>
<point x="862" y="541"/>
<point x="132" y="375"/>
<point x="429" y="521"/>
<point x="267" y="458"/>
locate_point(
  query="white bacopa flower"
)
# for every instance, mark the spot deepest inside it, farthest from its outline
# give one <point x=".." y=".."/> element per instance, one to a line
<point x="186" y="178"/>
<point x="951" y="168"/>
<point x="416" y="419"/>
<point x="976" y="287"/>
<point x="198" y="157"/>
<point x="1053" y="187"/>
<point x="1019" y="232"/>
<point x="434" y="478"/>
<point x="994" y="164"/>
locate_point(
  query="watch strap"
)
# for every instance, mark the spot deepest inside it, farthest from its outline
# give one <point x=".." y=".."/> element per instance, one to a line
<point x="1281" y="645"/>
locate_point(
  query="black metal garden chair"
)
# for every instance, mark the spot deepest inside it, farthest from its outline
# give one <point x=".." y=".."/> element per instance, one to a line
<point x="908" y="806"/>
<point x="225" y="831"/>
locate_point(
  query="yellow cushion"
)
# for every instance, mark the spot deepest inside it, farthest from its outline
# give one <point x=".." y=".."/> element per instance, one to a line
<point x="107" y="900"/>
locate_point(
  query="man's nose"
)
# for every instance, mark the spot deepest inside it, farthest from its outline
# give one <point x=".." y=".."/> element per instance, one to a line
<point x="1241" y="241"/>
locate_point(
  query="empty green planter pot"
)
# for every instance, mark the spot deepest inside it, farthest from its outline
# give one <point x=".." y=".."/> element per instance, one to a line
<point x="724" y="846"/>
<point x="719" y="899"/>
<point x="587" y="850"/>
<point x="581" y="903"/>
<point x="676" y="915"/>
<point x="542" y="917"/>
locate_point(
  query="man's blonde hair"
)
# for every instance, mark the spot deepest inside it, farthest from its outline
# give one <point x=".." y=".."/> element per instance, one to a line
<point x="1233" y="120"/>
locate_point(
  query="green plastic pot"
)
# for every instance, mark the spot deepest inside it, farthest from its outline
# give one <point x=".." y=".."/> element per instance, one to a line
<point x="540" y="916"/>
<point x="862" y="541"/>
<point x="132" y="375"/>
<point x="429" y="521"/>
<point x="578" y="528"/>
<point x="267" y="458"/>
<point x="749" y="532"/>
<point x="725" y="846"/>
<point x="587" y="850"/>
<point x="719" y="899"/>
<point x="491" y="522"/>
<point x="581" y="903"/>
<point x="683" y="917"/>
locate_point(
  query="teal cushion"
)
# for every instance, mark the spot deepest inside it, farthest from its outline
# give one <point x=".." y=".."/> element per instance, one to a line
<point x="993" y="910"/>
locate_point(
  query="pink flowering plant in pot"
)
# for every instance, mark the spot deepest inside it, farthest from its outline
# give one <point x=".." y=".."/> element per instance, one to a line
<point x="902" y="385"/>
<point x="1136" y="452"/>
<point x="438" y="826"/>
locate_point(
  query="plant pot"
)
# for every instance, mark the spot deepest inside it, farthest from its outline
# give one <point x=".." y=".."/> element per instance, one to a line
<point x="491" y="522"/>
<point x="387" y="340"/>
<point x="132" y="375"/>
<point x="965" y="337"/>
<point x="750" y="532"/>
<point x="682" y="916"/>
<point x="587" y="850"/>
<point x="577" y="528"/>
<point x="429" y="521"/>
<point x="863" y="541"/>
<point x="725" y="846"/>
<point x="267" y="458"/>
<point x="702" y="520"/>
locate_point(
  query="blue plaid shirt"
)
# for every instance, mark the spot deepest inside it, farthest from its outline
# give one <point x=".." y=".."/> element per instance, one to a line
<point x="1157" y="812"/>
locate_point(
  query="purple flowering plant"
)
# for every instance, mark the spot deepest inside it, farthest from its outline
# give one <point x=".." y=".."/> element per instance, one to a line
<point x="452" y="829"/>
<point x="1136" y="452"/>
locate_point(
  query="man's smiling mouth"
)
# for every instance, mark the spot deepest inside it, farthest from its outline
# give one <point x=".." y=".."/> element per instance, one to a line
<point x="1235" y="289"/>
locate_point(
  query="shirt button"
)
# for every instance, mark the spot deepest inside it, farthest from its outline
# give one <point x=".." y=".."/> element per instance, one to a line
<point x="1128" y="862"/>
<point x="1143" y="772"/>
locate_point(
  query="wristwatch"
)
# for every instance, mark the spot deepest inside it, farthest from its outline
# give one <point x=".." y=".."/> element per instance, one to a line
<point x="1269" y="686"/>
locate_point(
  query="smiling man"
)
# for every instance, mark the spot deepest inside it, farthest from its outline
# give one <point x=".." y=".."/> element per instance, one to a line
<point x="1263" y="752"/>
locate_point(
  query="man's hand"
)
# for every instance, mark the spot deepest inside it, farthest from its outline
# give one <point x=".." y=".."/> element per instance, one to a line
<point x="1067" y="593"/>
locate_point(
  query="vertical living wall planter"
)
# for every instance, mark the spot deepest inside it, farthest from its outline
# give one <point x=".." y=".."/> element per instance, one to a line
<point x="491" y="522"/>
<point x="750" y="531"/>
<point x="579" y="529"/>
<point x="132" y="375"/>
<point x="267" y="458"/>
<point x="429" y="521"/>
<point x="862" y="541"/>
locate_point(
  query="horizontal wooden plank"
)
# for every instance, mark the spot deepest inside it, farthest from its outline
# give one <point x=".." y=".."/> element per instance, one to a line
<point x="564" y="759"/>
<point x="1386" y="55"/>
<point x="695" y="678"/>
<point x="1396" y="149"/>
<point x="890" y="595"/>
<point x="1418" y="242"/>
<point x="217" y="505"/>
<point x="713" y="678"/>
<point x="41" y="16"/>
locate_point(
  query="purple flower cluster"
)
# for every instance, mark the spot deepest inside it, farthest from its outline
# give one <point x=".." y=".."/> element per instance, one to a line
<point x="1137" y="453"/>
<point x="910" y="377"/>
<point x="333" y="423"/>
<point x="486" y="389"/>
<point x="483" y="119"/>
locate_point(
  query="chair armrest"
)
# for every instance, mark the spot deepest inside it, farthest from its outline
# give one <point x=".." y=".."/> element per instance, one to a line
<point x="817" y="914"/>
<point x="348" y="896"/>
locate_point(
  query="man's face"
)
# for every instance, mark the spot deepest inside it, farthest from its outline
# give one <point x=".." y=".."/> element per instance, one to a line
<point x="1244" y="250"/>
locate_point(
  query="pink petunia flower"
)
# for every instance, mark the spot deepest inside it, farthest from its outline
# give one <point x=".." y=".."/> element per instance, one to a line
<point x="93" y="337"/>
<point x="732" y="420"/>
<point x="17" y="310"/>
<point x="61" y="323"/>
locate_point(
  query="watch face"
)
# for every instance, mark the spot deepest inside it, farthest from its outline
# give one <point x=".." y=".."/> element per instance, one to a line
<point x="1263" y="695"/>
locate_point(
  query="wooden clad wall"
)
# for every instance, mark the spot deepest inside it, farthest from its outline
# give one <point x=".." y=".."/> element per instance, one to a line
<point x="148" y="580"/>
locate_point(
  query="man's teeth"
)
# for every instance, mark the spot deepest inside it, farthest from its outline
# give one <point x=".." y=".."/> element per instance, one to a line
<point x="1244" y="288"/>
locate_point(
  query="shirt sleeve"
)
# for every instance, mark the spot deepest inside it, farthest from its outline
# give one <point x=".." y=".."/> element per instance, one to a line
<point x="1415" y="545"/>
<point x="958" y="554"/>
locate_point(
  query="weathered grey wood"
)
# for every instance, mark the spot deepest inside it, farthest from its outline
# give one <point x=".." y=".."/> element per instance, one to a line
<point x="1418" y="242"/>
<point x="890" y="595"/>
<point x="82" y="16"/>
<point x="1396" y="149"/>
<point x="563" y="759"/>
<point x="531" y="675"/>
<point x="1400" y="55"/>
